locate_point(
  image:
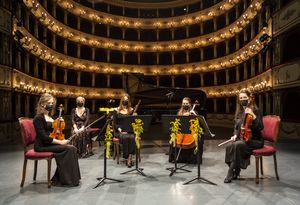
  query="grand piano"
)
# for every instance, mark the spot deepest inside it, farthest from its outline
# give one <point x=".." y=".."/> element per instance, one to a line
<point x="158" y="100"/>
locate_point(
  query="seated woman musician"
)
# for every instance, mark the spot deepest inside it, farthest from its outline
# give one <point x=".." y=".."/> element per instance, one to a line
<point x="80" y="119"/>
<point x="187" y="153"/>
<point x="126" y="139"/>
<point x="67" y="172"/>
<point x="247" y="135"/>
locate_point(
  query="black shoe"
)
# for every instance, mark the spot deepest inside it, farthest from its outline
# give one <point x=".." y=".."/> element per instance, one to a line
<point x="227" y="180"/>
<point x="229" y="176"/>
<point x="236" y="174"/>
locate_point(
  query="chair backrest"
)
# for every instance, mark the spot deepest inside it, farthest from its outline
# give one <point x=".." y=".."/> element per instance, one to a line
<point x="271" y="127"/>
<point x="27" y="130"/>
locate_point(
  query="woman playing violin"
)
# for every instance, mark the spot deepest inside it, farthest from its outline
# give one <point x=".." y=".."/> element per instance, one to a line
<point x="127" y="140"/>
<point x="67" y="172"/>
<point x="238" y="152"/>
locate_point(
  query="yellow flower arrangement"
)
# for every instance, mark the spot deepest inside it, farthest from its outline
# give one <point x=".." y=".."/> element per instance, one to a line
<point x="196" y="130"/>
<point x="175" y="129"/>
<point x="108" y="139"/>
<point x="138" y="129"/>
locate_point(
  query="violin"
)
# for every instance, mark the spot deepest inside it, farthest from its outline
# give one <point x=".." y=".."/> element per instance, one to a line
<point x="58" y="125"/>
<point x="246" y="132"/>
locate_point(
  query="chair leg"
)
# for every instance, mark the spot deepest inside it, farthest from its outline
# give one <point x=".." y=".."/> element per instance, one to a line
<point x="35" y="169"/>
<point x="115" y="151"/>
<point x="261" y="166"/>
<point x="257" y="170"/>
<point x="49" y="172"/>
<point x="118" y="153"/>
<point x="24" y="172"/>
<point x="275" y="165"/>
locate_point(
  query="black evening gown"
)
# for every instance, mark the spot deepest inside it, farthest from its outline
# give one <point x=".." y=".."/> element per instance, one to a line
<point x="239" y="151"/>
<point x="83" y="138"/>
<point x="67" y="172"/>
<point x="127" y="141"/>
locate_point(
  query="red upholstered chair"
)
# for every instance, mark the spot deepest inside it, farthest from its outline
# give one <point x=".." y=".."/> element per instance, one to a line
<point x="270" y="134"/>
<point x="29" y="135"/>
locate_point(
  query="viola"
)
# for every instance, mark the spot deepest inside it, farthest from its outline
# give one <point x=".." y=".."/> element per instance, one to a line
<point x="192" y="111"/>
<point x="58" y="125"/>
<point x="187" y="141"/>
<point x="136" y="107"/>
<point x="246" y="132"/>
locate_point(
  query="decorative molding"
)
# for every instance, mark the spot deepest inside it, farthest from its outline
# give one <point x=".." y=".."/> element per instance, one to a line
<point x="35" y="47"/>
<point x="289" y="130"/>
<point x="286" y="18"/>
<point x="154" y="23"/>
<point x="5" y="21"/>
<point x="137" y="4"/>
<point x="27" y="84"/>
<point x="257" y="84"/>
<point x="5" y="77"/>
<point x="5" y="106"/>
<point x="101" y="42"/>
<point x="287" y="75"/>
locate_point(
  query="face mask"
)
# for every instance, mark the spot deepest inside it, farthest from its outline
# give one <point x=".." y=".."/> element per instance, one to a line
<point x="125" y="102"/>
<point x="244" y="103"/>
<point x="186" y="107"/>
<point x="49" y="108"/>
<point x="80" y="104"/>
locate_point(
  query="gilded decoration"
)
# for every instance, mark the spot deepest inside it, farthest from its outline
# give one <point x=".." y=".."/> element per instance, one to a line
<point x="27" y="84"/>
<point x="94" y="41"/>
<point x="30" y="43"/>
<point x="287" y="75"/>
<point x="154" y="23"/>
<point x="286" y="18"/>
<point x="5" y="77"/>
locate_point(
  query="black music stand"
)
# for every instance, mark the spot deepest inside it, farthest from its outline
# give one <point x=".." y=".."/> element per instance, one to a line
<point x="125" y="122"/>
<point x="185" y="128"/>
<point x="102" y="179"/>
<point x="206" y="132"/>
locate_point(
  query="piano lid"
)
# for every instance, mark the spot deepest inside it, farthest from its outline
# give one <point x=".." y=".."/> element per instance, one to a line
<point x="153" y="96"/>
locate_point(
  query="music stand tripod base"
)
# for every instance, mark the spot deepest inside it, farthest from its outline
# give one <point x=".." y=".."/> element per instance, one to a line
<point x="102" y="179"/>
<point x="199" y="178"/>
<point x="139" y="170"/>
<point x="175" y="168"/>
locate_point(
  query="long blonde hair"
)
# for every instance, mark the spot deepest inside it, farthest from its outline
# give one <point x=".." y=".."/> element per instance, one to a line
<point x="44" y="99"/>
<point x="181" y="111"/>
<point x="128" y="106"/>
<point x="251" y="104"/>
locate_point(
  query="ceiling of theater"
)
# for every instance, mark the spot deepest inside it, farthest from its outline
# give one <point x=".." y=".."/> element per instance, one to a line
<point x="150" y="1"/>
<point x="139" y="1"/>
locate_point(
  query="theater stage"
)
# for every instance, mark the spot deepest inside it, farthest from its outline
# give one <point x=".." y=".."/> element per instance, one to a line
<point x="158" y="187"/>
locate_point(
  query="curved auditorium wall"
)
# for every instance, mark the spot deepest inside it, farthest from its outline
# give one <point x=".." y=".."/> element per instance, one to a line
<point x="75" y="48"/>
